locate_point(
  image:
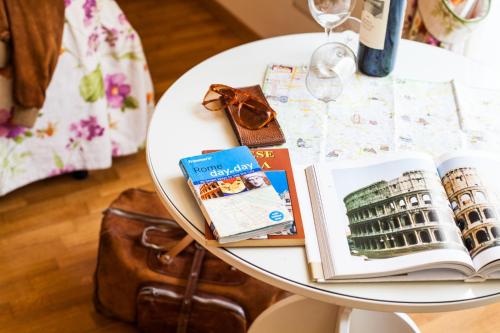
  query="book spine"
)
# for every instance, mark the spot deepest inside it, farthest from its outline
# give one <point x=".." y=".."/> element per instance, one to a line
<point x="183" y="169"/>
<point x="316" y="271"/>
<point x="319" y="221"/>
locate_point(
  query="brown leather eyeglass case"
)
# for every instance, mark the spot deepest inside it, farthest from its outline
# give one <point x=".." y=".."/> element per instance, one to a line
<point x="269" y="135"/>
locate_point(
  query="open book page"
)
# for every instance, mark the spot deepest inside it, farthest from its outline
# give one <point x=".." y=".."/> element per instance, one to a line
<point x="472" y="184"/>
<point x="385" y="217"/>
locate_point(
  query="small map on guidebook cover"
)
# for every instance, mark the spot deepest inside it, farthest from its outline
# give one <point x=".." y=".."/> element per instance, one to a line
<point x="235" y="195"/>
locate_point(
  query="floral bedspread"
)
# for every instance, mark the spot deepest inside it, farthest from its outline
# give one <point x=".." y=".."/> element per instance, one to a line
<point x="97" y="105"/>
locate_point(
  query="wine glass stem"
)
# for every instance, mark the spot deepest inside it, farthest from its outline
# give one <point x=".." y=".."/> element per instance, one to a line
<point x="324" y="133"/>
<point x="328" y="32"/>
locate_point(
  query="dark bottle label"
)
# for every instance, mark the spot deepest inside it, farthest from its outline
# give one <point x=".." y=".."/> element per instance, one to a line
<point x="374" y="23"/>
<point x="379" y="36"/>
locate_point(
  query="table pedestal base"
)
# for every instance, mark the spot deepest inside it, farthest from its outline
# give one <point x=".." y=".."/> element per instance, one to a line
<point x="297" y="314"/>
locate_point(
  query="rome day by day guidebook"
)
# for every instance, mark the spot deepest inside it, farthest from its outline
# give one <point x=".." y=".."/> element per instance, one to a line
<point x="276" y="164"/>
<point x="403" y="218"/>
<point x="234" y="194"/>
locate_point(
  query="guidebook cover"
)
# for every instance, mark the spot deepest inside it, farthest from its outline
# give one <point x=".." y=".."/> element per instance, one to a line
<point x="276" y="164"/>
<point x="235" y="204"/>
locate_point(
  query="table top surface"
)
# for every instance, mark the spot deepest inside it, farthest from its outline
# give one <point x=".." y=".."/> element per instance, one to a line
<point x="181" y="127"/>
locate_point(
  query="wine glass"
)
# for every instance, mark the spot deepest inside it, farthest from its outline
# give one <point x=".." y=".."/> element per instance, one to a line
<point x="330" y="13"/>
<point x="332" y="65"/>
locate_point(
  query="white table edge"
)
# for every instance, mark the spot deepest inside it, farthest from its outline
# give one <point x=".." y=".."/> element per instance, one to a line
<point x="308" y="290"/>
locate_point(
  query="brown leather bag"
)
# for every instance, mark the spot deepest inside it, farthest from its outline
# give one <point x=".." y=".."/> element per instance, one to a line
<point x="151" y="273"/>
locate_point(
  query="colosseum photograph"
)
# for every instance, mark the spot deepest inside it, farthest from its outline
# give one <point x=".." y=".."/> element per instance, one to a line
<point x="404" y="213"/>
<point x="475" y="207"/>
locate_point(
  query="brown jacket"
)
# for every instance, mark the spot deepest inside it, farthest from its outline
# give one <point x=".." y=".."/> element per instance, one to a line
<point x="33" y="30"/>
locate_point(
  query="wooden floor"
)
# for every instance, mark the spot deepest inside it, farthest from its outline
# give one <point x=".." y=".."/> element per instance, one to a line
<point x="48" y="230"/>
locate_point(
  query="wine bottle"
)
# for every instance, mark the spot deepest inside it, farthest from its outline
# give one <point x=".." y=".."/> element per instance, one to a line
<point x="381" y="26"/>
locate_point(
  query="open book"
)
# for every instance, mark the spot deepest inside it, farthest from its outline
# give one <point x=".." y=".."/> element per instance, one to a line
<point x="404" y="218"/>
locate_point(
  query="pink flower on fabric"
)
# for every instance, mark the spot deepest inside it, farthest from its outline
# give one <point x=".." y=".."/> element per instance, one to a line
<point x="6" y="130"/>
<point x="122" y="19"/>
<point x="89" y="9"/>
<point x="111" y="35"/>
<point x="115" y="148"/>
<point x="16" y="131"/>
<point x="11" y="132"/>
<point x="116" y="90"/>
<point x="65" y="169"/>
<point x="93" y="43"/>
<point x="87" y="129"/>
<point x="67" y="3"/>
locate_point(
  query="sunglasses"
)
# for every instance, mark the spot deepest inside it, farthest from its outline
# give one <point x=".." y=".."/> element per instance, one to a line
<point x="251" y="113"/>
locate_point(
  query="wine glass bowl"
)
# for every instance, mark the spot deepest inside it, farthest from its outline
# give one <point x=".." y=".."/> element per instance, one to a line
<point x="330" y="13"/>
<point x="331" y="66"/>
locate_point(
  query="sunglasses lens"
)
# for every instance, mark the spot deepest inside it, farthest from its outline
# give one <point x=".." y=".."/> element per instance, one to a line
<point x="225" y="91"/>
<point x="217" y="96"/>
<point x="213" y="101"/>
<point x="214" y="105"/>
<point x="254" y="114"/>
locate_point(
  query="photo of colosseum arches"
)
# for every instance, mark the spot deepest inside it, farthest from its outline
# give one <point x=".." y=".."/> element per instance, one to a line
<point x="404" y="215"/>
<point x="474" y="207"/>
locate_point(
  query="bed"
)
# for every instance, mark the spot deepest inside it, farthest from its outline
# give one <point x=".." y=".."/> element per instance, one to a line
<point x="97" y="104"/>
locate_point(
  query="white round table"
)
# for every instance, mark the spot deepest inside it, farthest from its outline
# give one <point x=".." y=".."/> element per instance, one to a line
<point x="181" y="127"/>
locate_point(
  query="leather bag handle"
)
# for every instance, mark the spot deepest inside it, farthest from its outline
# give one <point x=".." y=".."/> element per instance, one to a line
<point x="166" y="255"/>
<point x="194" y="274"/>
<point x="187" y="302"/>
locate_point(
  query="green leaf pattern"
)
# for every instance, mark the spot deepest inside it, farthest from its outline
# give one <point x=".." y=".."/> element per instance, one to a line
<point x="92" y="86"/>
<point x="131" y="103"/>
<point x="58" y="161"/>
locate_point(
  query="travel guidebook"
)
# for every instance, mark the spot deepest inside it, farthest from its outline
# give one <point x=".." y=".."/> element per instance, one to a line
<point x="234" y="194"/>
<point x="275" y="162"/>
<point x="404" y="218"/>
